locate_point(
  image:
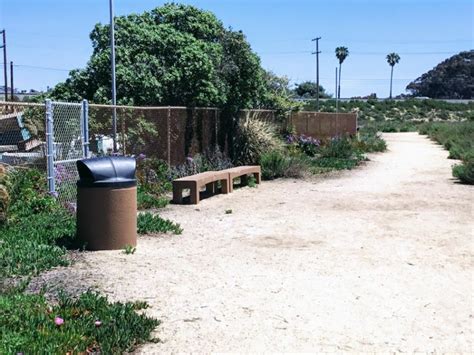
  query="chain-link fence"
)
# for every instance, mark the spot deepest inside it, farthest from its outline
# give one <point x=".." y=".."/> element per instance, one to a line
<point x="167" y="133"/>
<point x="52" y="136"/>
<point x="67" y="141"/>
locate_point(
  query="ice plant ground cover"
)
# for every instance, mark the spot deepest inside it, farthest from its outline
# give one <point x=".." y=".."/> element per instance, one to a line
<point x="33" y="238"/>
<point x="29" y="325"/>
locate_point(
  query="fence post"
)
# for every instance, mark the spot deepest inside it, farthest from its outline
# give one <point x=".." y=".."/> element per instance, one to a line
<point x="85" y="128"/>
<point x="50" y="146"/>
<point x="168" y="131"/>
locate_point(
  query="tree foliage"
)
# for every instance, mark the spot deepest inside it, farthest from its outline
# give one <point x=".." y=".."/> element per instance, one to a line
<point x="172" y="55"/>
<point x="308" y="90"/>
<point x="392" y="59"/>
<point x="451" y="79"/>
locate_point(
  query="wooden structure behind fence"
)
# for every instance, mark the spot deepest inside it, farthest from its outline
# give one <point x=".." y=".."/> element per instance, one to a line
<point x="323" y="124"/>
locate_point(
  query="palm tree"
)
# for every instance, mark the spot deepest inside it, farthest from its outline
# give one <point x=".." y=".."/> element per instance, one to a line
<point x="341" y="54"/>
<point x="392" y="59"/>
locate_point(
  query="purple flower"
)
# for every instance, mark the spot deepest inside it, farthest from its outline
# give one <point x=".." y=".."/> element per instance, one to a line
<point x="141" y="156"/>
<point x="71" y="207"/>
<point x="54" y="194"/>
<point x="97" y="323"/>
<point x="189" y="160"/>
<point x="58" y="321"/>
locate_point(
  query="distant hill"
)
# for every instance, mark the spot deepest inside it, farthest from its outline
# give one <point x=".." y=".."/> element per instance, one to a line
<point x="451" y="79"/>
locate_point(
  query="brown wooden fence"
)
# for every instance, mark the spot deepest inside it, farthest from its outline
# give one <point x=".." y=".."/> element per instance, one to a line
<point x="322" y="124"/>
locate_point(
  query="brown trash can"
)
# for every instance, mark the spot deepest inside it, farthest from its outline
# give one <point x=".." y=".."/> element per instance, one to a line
<point x="107" y="203"/>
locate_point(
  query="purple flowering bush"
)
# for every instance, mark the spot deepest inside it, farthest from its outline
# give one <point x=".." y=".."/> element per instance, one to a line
<point x="306" y="144"/>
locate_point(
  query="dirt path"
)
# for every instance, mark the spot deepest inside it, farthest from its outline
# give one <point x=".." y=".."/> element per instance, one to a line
<point x="379" y="259"/>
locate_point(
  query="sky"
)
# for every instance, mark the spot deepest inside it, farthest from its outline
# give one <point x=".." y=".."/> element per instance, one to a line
<point x="47" y="38"/>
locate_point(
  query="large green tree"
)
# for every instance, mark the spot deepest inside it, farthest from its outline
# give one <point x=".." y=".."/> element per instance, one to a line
<point x="450" y="79"/>
<point x="172" y="55"/>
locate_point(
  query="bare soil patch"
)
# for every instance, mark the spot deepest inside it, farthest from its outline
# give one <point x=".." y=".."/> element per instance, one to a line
<point x="376" y="259"/>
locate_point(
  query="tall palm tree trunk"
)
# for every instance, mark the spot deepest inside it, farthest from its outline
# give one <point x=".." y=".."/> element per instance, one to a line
<point x="391" y="81"/>
<point x="339" y="84"/>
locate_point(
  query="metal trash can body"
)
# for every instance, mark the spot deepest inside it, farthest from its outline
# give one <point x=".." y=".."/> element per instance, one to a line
<point x="107" y="203"/>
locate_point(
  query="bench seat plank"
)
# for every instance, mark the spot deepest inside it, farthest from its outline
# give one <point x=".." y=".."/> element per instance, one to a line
<point x="242" y="172"/>
<point x="196" y="182"/>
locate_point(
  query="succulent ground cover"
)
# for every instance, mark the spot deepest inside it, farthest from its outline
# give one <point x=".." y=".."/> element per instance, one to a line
<point x="34" y="236"/>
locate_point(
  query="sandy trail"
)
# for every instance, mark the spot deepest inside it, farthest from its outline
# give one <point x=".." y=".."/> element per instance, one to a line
<point x="379" y="259"/>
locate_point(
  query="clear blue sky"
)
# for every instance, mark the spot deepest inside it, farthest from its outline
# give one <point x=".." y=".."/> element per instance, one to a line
<point x="54" y="34"/>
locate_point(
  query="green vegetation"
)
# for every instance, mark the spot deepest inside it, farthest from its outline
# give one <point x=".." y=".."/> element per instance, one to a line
<point x="153" y="183"/>
<point x="458" y="138"/>
<point x="309" y="90"/>
<point x="174" y="55"/>
<point x="129" y="249"/>
<point x="281" y="163"/>
<point x="35" y="229"/>
<point x="455" y="137"/>
<point x="255" y="137"/>
<point x="451" y="79"/>
<point x="410" y="111"/>
<point x="465" y="172"/>
<point x="150" y="223"/>
<point x="91" y="324"/>
<point x="33" y="238"/>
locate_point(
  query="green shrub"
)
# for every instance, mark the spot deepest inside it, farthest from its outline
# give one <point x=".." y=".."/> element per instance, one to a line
<point x="278" y="163"/>
<point x="153" y="177"/>
<point x="465" y="172"/>
<point x="369" y="141"/>
<point x="255" y="137"/>
<point x="337" y="147"/>
<point x="147" y="200"/>
<point x="91" y="324"/>
<point x="150" y="223"/>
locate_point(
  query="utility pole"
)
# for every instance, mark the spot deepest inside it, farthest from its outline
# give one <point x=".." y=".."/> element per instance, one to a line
<point x="317" y="70"/>
<point x="4" y="46"/>
<point x="112" y="63"/>
<point x="11" y="81"/>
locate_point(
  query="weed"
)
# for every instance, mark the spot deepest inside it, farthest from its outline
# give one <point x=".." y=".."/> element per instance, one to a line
<point x="252" y="182"/>
<point x="129" y="249"/>
<point x="228" y="211"/>
<point x="150" y="223"/>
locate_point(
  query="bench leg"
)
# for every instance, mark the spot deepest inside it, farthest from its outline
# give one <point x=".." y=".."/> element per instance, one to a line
<point x="226" y="186"/>
<point x="258" y="177"/>
<point x="194" y="195"/>
<point x="231" y="184"/>
<point x="177" y="195"/>
<point x="211" y="187"/>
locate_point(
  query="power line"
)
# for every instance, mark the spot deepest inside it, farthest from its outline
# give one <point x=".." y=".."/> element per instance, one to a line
<point x="359" y="53"/>
<point x="39" y="67"/>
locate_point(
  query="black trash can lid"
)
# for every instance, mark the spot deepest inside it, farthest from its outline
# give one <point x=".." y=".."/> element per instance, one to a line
<point x="107" y="172"/>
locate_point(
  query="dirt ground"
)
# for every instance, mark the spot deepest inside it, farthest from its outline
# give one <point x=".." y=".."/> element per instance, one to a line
<point x="377" y="259"/>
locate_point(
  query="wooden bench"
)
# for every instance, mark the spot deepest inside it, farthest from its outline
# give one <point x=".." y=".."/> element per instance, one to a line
<point x="242" y="172"/>
<point x="198" y="181"/>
